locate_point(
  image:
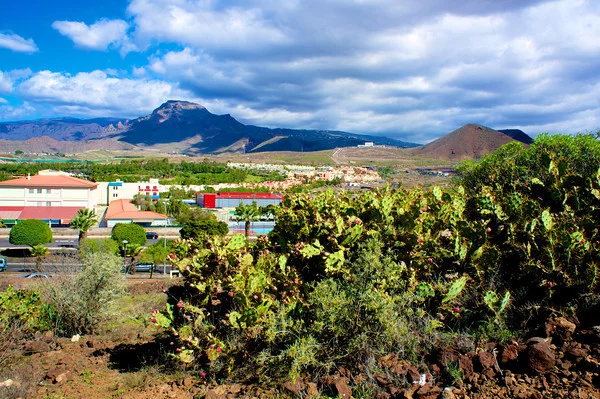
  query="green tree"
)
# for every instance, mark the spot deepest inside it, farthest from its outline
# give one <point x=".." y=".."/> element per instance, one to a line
<point x="30" y="232"/>
<point x="176" y="207"/>
<point x="247" y="213"/>
<point x="85" y="220"/>
<point x="197" y="223"/>
<point x="39" y="252"/>
<point x="132" y="233"/>
<point x="91" y="246"/>
<point x="156" y="254"/>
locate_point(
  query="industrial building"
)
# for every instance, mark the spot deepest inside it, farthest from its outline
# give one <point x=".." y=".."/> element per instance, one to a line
<point x="233" y="199"/>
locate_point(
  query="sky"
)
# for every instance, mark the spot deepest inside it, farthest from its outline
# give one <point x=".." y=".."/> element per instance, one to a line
<point x="408" y="69"/>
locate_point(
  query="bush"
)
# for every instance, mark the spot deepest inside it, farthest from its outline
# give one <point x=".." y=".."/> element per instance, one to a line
<point x="30" y="232"/>
<point x="133" y="233"/>
<point x="80" y="302"/>
<point x="90" y="246"/>
<point x="343" y="278"/>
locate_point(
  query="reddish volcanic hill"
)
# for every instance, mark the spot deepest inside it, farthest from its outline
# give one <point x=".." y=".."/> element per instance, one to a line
<point x="468" y="142"/>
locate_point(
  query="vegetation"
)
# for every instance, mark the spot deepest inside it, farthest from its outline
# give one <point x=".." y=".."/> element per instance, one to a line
<point x="30" y="232"/>
<point x="344" y="279"/>
<point x="248" y="213"/>
<point x="85" y="220"/>
<point x="89" y="246"/>
<point x="80" y="302"/>
<point x="132" y="233"/>
<point x="197" y="223"/>
<point x="133" y="170"/>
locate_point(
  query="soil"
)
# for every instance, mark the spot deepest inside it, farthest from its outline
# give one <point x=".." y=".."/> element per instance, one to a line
<point x="129" y="360"/>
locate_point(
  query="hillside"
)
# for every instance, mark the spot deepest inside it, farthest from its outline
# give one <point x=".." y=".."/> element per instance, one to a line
<point x="468" y="142"/>
<point x="180" y="126"/>
<point x="207" y="133"/>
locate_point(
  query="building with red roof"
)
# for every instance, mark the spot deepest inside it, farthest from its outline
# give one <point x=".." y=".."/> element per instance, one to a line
<point x="123" y="211"/>
<point x="49" y="189"/>
<point x="51" y="196"/>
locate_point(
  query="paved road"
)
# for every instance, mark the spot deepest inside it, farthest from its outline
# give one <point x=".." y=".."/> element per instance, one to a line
<point x="58" y="243"/>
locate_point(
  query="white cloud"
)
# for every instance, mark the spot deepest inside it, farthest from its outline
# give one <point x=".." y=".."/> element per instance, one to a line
<point x="98" y="36"/>
<point x="94" y="93"/>
<point x="17" y="43"/>
<point x="202" y="24"/>
<point x="9" y="112"/>
<point x="6" y="83"/>
<point x="3" y="101"/>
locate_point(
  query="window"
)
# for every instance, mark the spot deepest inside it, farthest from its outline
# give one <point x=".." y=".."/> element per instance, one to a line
<point x="48" y="203"/>
<point x="48" y="191"/>
<point x="39" y="190"/>
<point x="31" y="191"/>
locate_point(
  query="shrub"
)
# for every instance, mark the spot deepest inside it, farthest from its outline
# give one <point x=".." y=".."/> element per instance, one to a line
<point x="30" y="232"/>
<point x="81" y="301"/>
<point x="90" y="246"/>
<point x="133" y="233"/>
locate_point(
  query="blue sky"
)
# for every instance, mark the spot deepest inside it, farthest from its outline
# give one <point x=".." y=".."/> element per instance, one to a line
<point x="411" y="69"/>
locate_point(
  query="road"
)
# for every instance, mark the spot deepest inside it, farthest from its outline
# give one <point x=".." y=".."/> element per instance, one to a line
<point x="58" y="243"/>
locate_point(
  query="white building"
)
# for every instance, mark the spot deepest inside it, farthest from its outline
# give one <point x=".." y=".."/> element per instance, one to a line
<point x="112" y="191"/>
<point x="49" y="189"/>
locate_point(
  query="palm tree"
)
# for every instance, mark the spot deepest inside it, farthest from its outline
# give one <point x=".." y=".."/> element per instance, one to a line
<point x="39" y="252"/>
<point x="247" y="213"/>
<point x="85" y="219"/>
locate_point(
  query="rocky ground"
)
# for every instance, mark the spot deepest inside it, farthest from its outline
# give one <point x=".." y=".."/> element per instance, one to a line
<point x="127" y="360"/>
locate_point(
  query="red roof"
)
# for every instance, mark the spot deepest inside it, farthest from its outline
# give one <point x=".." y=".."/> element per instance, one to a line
<point x="58" y="181"/>
<point x="64" y="213"/>
<point x="123" y="209"/>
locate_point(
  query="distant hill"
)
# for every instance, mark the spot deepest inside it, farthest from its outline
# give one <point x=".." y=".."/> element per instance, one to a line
<point x="177" y="121"/>
<point x="469" y="142"/>
<point x="183" y="127"/>
<point x="518" y="135"/>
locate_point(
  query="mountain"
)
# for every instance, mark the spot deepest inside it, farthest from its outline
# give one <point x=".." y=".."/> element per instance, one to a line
<point x="61" y="128"/>
<point x="469" y="142"/>
<point x="177" y="121"/>
<point x="186" y="127"/>
<point x="518" y="135"/>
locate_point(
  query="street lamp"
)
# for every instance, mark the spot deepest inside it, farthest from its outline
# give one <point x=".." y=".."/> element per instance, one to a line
<point x="125" y="250"/>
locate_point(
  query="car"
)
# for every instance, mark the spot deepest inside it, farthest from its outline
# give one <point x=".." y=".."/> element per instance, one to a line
<point x="37" y="275"/>
<point x="142" y="267"/>
<point x="151" y="235"/>
<point x="3" y="264"/>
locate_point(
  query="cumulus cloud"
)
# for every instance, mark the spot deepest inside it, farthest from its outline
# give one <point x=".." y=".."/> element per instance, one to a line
<point x="414" y="69"/>
<point x="96" y="93"/>
<point x="98" y="36"/>
<point x="15" y="42"/>
<point x="10" y="112"/>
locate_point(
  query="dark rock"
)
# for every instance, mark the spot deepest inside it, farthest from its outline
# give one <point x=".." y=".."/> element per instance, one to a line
<point x="540" y="357"/>
<point x="560" y="326"/>
<point x="509" y="354"/>
<point x="486" y="360"/>
<point x="340" y="384"/>
<point x="428" y="391"/>
<point x="36" y="347"/>
<point x="58" y="375"/>
<point x="466" y="366"/>
<point x="297" y="387"/>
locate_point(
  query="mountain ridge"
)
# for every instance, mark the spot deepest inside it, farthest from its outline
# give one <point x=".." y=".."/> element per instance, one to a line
<point x="178" y="121"/>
